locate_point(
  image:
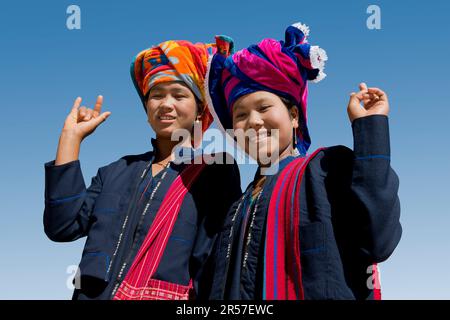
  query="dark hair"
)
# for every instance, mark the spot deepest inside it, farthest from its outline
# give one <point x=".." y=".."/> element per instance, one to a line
<point x="200" y="105"/>
<point x="289" y="105"/>
<point x="288" y="102"/>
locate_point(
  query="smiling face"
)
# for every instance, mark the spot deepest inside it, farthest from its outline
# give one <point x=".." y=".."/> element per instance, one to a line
<point x="171" y="106"/>
<point x="264" y="112"/>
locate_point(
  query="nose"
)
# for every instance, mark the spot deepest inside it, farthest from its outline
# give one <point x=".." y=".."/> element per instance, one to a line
<point x="255" y="121"/>
<point x="167" y="104"/>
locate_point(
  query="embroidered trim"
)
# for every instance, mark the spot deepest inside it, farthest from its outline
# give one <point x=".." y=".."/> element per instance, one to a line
<point x="303" y="28"/>
<point x="155" y="290"/>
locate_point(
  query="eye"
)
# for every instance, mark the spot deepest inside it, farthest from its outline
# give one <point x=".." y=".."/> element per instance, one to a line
<point x="263" y="108"/>
<point x="239" y="115"/>
<point x="156" y="96"/>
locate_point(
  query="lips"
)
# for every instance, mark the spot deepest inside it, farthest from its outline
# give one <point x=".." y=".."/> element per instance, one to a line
<point x="166" y="117"/>
<point x="261" y="136"/>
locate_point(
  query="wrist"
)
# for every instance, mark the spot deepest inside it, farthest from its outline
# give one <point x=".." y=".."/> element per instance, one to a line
<point x="68" y="148"/>
<point x="69" y="137"/>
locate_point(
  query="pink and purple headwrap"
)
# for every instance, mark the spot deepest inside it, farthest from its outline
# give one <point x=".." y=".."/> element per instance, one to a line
<point x="279" y="67"/>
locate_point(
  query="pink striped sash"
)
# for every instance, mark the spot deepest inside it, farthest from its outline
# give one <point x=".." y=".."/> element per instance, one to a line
<point x="138" y="283"/>
<point x="282" y="267"/>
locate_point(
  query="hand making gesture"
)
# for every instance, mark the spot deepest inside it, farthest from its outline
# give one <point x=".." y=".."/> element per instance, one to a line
<point x="374" y="101"/>
<point x="80" y="123"/>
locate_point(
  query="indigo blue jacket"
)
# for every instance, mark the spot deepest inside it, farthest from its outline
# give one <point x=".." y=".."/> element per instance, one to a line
<point x="99" y="212"/>
<point x="349" y="220"/>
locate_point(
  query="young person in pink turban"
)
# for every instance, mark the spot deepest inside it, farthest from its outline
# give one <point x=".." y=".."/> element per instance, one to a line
<point x="311" y="225"/>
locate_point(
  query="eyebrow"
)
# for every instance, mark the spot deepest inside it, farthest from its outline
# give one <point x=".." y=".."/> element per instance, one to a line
<point x="178" y="90"/>
<point x="257" y="101"/>
<point x="154" y="89"/>
<point x="160" y="89"/>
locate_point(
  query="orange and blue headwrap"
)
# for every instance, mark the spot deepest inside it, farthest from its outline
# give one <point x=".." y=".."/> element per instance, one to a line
<point x="177" y="60"/>
<point x="279" y="67"/>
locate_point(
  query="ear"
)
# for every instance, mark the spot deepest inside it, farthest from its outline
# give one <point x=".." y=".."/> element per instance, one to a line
<point x="294" y="117"/>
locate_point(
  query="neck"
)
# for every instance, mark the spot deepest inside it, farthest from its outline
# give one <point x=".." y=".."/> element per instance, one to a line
<point x="165" y="148"/>
<point x="284" y="154"/>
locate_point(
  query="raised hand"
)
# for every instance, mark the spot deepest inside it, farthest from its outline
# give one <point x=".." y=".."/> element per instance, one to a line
<point x="367" y="102"/>
<point x="80" y="123"/>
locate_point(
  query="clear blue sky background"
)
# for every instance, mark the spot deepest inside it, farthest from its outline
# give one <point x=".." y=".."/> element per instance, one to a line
<point x="44" y="66"/>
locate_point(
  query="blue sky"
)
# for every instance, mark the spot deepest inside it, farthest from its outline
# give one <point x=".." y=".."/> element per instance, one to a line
<point x="44" y="67"/>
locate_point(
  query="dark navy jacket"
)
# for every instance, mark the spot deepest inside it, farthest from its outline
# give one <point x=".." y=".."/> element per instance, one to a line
<point x="349" y="219"/>
<point x="99" y="212"/>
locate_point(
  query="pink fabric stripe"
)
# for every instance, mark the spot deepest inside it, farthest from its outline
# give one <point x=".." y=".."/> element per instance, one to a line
<point x="292" y="260"/>
<point x="306" y="62"/>
<point x="304" y="100"/>
<point x="169" y="202"/>
<point x="160" y="249"/>
<point x="150" y="253"/>
<point x="272" y="233"/>
<point x="286" y="195"/>
<point x="377" y="288"/>
<point x="264" y="73"/>
<point x="155" y="290"/>
<point x="281" y="249"/>
<point x="163" y="212"/>
<point x="159" y="220"/>
<point x="230" y="86"/>
<point x="287" y="234"/>
<point x="272" y="49"/>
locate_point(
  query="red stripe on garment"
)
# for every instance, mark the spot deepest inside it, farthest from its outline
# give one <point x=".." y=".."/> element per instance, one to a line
<point x="274" y="232"/>
<point x="139" y="277"/>
<point x="377" y="285"/>
<point x="288" y="271"/>
<point x="293" y="257"/>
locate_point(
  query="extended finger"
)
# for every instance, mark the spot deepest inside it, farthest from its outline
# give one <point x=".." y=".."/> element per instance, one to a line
<point x="97" y="121"/>
<point x="356" y="97"/>
<point x="380" y="93"/>
<point x="354" y="109"/>
<point x="76" y="105"/>
<point x="363" y="88"/>
<point x="98" y="105"/>
<point x="371" y="96"/>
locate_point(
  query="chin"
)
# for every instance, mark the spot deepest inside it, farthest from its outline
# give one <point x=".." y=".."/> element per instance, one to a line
<point x="262" y="154"/>
<point x="165" y="133"/>
<point x="169" y="131"/>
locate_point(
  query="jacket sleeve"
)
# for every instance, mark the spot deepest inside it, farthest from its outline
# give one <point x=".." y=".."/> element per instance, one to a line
<point x="374" y="188"/>
<point x="68" y="204"/>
